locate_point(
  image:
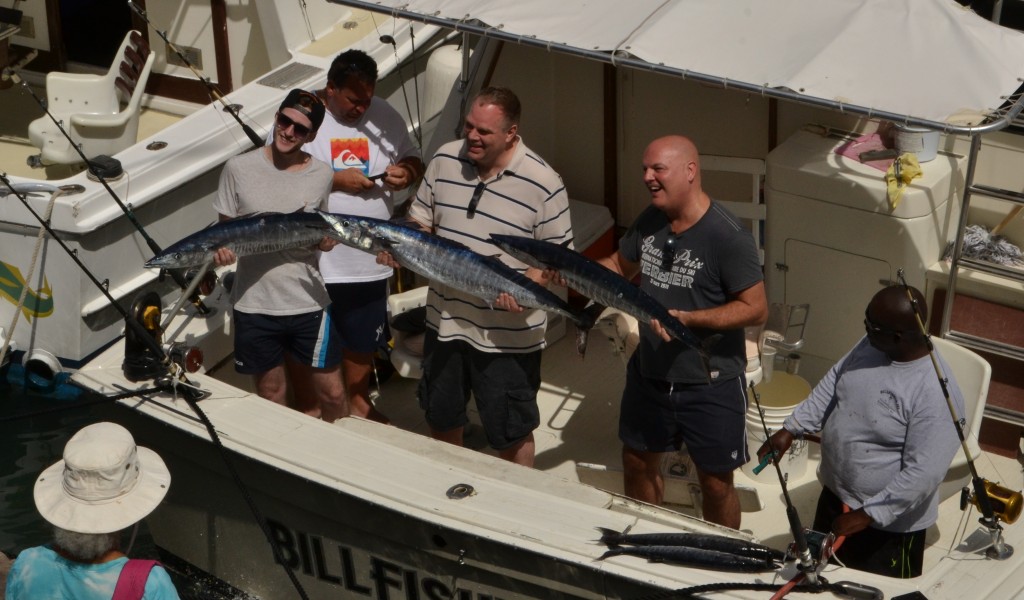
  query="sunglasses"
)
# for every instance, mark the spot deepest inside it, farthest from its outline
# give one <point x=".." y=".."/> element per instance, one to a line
<point x="668" y="252"/>
<point x="284" y="122"/>
<point x="478" y="191"/>
<point x="874" y="329"/>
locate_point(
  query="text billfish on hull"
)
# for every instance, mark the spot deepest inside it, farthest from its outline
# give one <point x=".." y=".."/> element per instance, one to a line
<point x="453" y="264"/>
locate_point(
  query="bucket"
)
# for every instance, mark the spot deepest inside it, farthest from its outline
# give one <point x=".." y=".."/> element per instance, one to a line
<point x="778" y="399"/>
<point x="921" y="141"/>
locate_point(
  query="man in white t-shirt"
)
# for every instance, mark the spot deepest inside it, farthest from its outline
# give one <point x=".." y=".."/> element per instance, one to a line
<point x="368" y="144"/>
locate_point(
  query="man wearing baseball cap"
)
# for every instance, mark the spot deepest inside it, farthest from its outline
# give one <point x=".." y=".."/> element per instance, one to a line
<point x="104" y="485"/>
<point x="281" y="319"/>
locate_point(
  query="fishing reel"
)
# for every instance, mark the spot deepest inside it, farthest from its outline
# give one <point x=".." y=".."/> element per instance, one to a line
<point x="143" y="347"/>
<point x="818" y="544"/>
<point x="206" y="284"/>
<point x="1006" y="504"/>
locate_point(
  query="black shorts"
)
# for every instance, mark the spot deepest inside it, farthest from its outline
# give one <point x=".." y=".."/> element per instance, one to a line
<point x="710" y="419"/>
<point x="263" y="341"/>
<point x="504" y="385"/>
<point x="888" y="553"/>
<point x="360" y="314"/>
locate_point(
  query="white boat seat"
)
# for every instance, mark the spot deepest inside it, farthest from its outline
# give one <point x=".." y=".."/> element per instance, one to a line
<point x="972" y="374"/>
<point x="407" y="352"/>
<point x="100" y="112"/>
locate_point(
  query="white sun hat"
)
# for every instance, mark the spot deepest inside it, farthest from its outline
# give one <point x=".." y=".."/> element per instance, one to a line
<point x="104" y="484"/>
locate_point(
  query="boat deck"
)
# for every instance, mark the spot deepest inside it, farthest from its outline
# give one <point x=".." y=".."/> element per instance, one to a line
<point x="579" y="409"/>
<point x="579" y="402"/>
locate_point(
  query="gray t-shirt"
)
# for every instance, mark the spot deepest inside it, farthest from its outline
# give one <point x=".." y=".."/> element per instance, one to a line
<point x="277" y="283"/>
<point x="712" y="261"/>
<point x="887" y="437"/>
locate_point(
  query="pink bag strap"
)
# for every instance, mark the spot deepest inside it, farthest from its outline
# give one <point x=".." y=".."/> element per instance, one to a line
<point x="131" y="583"/>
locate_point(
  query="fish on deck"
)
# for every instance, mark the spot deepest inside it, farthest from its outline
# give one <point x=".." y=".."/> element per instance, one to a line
<point x="704" y="541"/>
<point x="694" y="557"/>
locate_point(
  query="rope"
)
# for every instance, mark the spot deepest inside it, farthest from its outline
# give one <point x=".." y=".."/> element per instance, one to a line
<point x="101" y="399"/>
<point x="28" y="277"/>
<point x="260" y="520"/>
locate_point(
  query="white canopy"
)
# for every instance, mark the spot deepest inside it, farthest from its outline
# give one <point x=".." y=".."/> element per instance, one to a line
<point x="928" y="62"/>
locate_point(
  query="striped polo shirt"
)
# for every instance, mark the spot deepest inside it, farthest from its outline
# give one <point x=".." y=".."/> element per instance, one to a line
<point x="527" y="198"/>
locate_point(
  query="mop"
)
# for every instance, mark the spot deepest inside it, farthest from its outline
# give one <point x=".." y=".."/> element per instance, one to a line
<point x="982" y="244"/>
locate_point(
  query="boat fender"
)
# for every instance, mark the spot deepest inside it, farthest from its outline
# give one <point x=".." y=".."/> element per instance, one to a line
<point x="42" y="368"/>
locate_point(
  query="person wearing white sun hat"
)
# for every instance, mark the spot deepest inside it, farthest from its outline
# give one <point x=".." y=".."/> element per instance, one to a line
<point x="103" y="485"/>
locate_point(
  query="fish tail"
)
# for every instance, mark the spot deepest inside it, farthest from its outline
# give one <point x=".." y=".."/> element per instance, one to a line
<point x="609" y="536"/>
<point x="610" y="552"/>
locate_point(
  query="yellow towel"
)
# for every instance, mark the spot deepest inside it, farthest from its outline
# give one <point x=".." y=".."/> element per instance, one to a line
<point x="909" y="169"/>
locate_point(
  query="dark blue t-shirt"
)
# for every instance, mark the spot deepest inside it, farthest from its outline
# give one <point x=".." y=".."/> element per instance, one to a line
<point x="707" y="265"/>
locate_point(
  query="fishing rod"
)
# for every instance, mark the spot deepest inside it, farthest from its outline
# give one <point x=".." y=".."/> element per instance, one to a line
<point x="191" y="393"/>
<point x="803" y="552"/>
<point x="176" y="276"/>
<point x="231" y="109"/>
<point x="136" y="326"/>
<point x="417" y="126"/>
<point x="982" y="488"/>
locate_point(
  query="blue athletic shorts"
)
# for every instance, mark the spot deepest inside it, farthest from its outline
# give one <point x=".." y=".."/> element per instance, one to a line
<point x="262" y="341"/>
<point x="710" y="419"/>
<point x="360" y="314"/>
<point x="504" y="385"/>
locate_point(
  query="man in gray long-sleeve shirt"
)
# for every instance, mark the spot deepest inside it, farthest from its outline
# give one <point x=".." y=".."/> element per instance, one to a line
<point x="887" y="439"/>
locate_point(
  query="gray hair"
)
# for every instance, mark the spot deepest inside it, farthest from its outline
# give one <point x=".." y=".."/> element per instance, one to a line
<point x="86" y="547"/>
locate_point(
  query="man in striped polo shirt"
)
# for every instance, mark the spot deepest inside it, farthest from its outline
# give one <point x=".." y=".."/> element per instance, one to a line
<point x="488" y="182"/>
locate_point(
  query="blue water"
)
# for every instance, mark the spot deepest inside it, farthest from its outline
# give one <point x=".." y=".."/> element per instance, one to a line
<point x="33" y="431"/>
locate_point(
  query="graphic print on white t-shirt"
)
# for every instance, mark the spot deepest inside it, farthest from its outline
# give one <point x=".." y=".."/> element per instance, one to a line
<point x="347" y="153"/>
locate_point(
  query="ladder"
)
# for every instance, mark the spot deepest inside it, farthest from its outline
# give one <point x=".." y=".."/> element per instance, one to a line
<point x="975" y="342"/>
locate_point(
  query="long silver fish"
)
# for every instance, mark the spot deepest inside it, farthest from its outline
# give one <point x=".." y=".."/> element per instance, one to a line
<point x="600" y="284"/>
<point x="705" y="541"/>
<point x="453" y="264"/>
<point x="694" y="557"/>
<point x="255" y="234"/>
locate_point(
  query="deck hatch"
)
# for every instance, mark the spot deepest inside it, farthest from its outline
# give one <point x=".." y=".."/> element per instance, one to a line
<point x="289" y="76"/>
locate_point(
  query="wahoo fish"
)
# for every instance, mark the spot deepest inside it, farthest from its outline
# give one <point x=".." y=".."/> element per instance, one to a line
<point x="694" y="557"/>
<point x="453" y="264"/>
<point x="704" y="541"/>
<point x="600" y="284"/>
<point x="252" y="234"/>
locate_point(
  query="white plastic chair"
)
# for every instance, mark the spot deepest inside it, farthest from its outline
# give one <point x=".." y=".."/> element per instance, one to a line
<point x="407" y="353"/>
<point x="100" y="112"/>
<point x="972" y="374"/>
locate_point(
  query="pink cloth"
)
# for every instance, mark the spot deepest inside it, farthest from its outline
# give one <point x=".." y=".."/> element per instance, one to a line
<point x="865" y="143"/>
